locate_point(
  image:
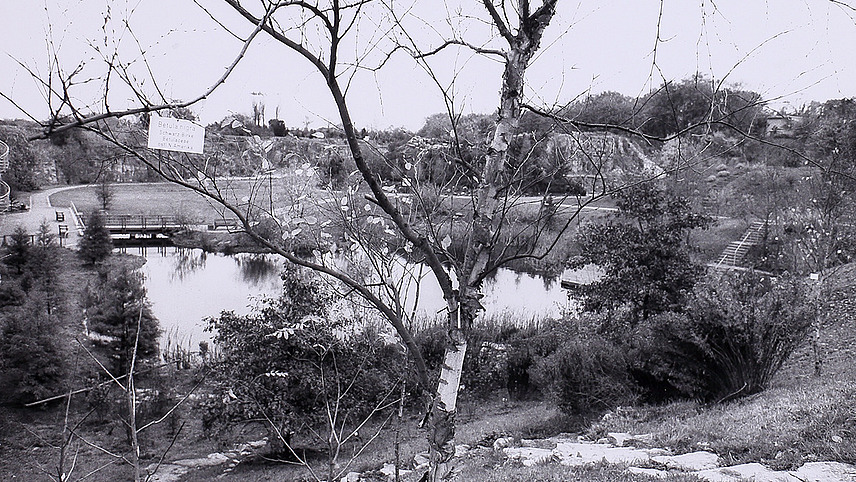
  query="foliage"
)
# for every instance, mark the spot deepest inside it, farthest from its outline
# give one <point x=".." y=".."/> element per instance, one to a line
<point x="17" y="251"/>
<point x="585" y="375"/>
<point x="289" y="366"/>
<point x="605" y="108"/>
<point x="643" y="252"/>
<point x="31" y="362"/>
<point x="115" y="308"/>
<point x="95" y="245"/>
<point x="676" y="106"/>
<point x="734" y="335"/>
<point x="278" y="128"/>
<point x="105" y="193"/>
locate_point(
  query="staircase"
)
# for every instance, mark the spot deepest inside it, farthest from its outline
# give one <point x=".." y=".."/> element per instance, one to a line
<point x="733" y="254"/>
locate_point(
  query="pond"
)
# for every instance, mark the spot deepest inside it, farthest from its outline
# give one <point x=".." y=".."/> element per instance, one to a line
<point x="186" y="286"/>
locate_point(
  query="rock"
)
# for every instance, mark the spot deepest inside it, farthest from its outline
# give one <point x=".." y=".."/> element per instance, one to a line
<point x="461" y="450"/>
<point x="620" y="439"/>
<point x="389" y="471"/>
<point x="351" y="477"/>
<point x="582" y="453"/>
<point x="539" y="443"/>
<point x="826" y="472"/>
<point x="738" y="473"/>
<point x="420" y="460"/>
<point x="660" y="474"/>
<point x="167" y="472"/>
<point x="529" y="456"/>
<point x="503" y="442"/>
<point x="690" y="462"/>
<point x="210" y="461"/>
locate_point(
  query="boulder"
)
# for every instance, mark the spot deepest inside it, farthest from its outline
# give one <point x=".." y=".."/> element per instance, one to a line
<point x="692" y="461"/>
<point x="574" y="454"/>
<point x="738" y="473"/>
<point x="826" y="472"/>
<point x="529" y="456"/>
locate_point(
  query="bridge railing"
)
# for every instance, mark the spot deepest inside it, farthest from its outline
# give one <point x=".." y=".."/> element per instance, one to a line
<point x="128" y="221"/>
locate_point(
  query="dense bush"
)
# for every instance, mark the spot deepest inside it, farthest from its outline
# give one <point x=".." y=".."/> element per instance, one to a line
<point x="117" y="309"/>
<point x="31" y="361"/>
<point x="585" y="375"/>
<point x="95" y="245"/>
<point x="287" y="363"/>
<point x="737" y="331"/>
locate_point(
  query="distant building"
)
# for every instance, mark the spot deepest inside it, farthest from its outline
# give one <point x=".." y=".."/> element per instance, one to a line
<point x="782" y="125"/>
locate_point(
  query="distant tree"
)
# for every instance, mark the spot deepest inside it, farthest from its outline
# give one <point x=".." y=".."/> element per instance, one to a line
<point x="115" y="308"/>
<point x="24" y="162"/>
<point x="604" y="108"/>
<point x="18" y="249"/>
<point x="31" y="362"/>
<point x="95" y="246"/>
<point x="43" y="268"/>
<point x="697" y="100"/>
<point x="278" y="128"/>
<point x="643" y="251"/>
<point x="105" y="192"/>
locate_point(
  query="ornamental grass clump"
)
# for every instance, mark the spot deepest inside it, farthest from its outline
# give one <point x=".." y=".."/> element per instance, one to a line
<point x="734" y="335"/>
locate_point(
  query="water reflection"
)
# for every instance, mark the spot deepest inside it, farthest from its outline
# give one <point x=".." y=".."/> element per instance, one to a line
<point x="257" y="269"/>
<point x="187" y="286"/>
<point x="187" y="262"/>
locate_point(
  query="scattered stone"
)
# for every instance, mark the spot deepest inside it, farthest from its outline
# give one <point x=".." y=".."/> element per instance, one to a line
<point x="420" y="460"/>
<point x="351" y="477"/>
<point x="826" y="472"/>
<point x="166" y="472"/>
<point x="210" y="461"/>
<point x="389" y="471"/>
<point x="574" y="454"/>
<point x="461" y="450"/>
<point x="620" y="439"/>
<point x="503" y="442"/>
<point x="738" y="473"/>
<point x="539" y="443"/>
<point x="529" y="456"/>
<point x="661" y="474"/>
<point x="693" y="461"/>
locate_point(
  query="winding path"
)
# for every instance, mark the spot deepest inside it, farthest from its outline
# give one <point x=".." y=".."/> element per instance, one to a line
<point x="40" y="209"/>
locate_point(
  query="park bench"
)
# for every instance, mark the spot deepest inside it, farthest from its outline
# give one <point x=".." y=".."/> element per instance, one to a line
<point x="225" y="224"/>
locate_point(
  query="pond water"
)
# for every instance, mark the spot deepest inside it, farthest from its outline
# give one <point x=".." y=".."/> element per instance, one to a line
<point x="186" y="286"/>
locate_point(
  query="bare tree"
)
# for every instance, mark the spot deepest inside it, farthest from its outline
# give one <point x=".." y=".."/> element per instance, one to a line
<point x="105" y="192"/>
<point x="375" y="224"/>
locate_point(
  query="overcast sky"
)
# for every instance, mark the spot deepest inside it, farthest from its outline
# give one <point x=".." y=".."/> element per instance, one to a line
<point x="788" y="50"/>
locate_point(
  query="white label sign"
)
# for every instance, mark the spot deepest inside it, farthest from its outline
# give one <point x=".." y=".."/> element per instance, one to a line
<point x="175" y="135"/>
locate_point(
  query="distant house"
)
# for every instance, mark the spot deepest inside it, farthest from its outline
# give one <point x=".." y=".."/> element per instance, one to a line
<point x="782" y="125"/>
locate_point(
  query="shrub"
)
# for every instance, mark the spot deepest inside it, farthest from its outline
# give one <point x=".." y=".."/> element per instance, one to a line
<point x="95" y="245"/>
<point x="287" y="363"/>
<point x="585" y="376"/>
<point x="735" y="334"/>
<point x="31" y="362"/>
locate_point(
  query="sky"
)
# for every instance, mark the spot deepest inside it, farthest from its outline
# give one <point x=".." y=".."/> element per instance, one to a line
<point x="790" y="51"/>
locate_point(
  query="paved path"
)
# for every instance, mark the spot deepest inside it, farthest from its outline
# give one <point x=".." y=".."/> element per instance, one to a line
<point x="41" y="210"/>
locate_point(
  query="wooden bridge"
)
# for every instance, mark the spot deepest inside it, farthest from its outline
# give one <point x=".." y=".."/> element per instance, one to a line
<point x="141" y="225"/>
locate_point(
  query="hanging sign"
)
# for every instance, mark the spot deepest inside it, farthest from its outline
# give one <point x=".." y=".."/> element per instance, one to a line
<point x="175" y="135"/>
